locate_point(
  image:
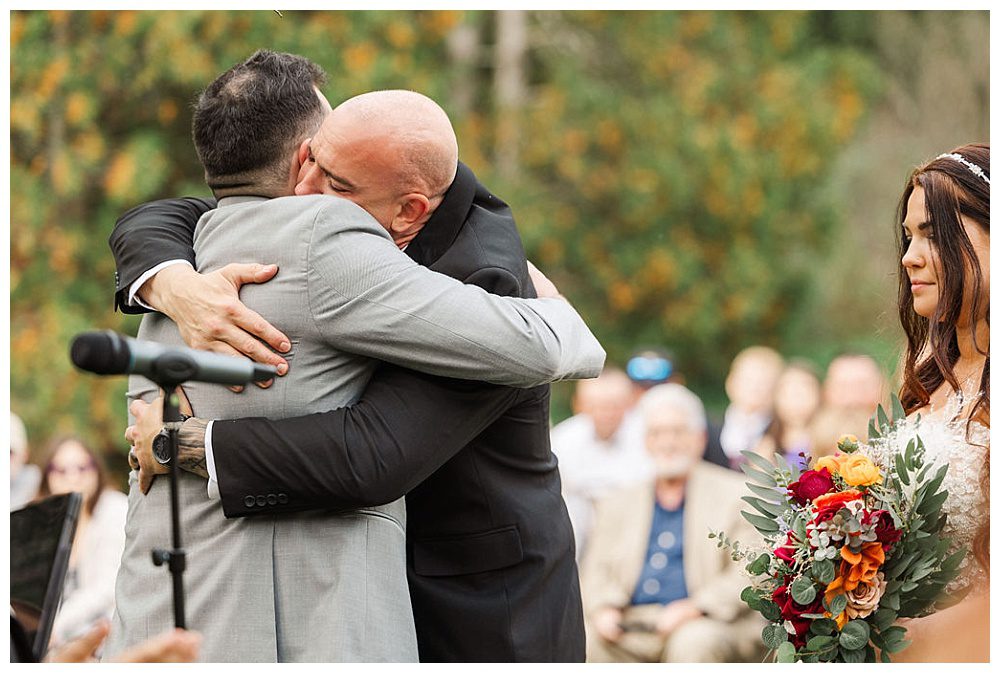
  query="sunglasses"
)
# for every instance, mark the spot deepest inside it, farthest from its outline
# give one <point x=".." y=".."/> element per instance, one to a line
<point x="72" y="469"/>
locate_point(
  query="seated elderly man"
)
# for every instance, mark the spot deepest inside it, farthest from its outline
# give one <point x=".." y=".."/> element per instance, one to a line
<point x="656" y="588"/>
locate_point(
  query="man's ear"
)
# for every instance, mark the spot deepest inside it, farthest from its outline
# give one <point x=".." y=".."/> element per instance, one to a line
<point x="414" y="211"/>
<point x="301" y="160"/>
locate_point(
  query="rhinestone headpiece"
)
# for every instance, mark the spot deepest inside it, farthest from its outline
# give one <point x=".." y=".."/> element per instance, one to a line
<point x="976" y="170"/>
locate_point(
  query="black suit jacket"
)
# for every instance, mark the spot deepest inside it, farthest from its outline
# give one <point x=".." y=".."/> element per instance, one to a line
<point x="490" y="550"/>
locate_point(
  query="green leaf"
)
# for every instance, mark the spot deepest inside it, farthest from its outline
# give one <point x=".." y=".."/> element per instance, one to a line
<point x="767" y="493"/>
<point x="786" y="653"/>
<point x="823" y="627"/>
<point x="770" y="611"/>
<point x="824" y="571"/>
<point x="760" y="462"/>
<point x="897" y="646"/>
<point x="884" y="657"/>
<point x="803" y="591"/>
<point x="759" y="565"/>
<point x="883" y="618"/>
<point x="897" y="409"/>
<point x="873" y="432"/>
<point x="854" y="635"/>
<point x="901" y="470"/>
<point x="762" y="524"/>
<point x="837" y="604"/>
<point x="762" y="478"/>
<point x="773" y="635"/>
<point x="818" y="642"/>
<point x="852" y="656"/>
<point x="766" y="508"/>
<point x="883" y="419"/>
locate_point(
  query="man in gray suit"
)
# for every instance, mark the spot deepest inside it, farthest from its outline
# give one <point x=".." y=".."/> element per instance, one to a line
<point x="314" y="586"/>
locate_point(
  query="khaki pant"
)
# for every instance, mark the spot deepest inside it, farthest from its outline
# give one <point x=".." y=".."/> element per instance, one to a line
<point x="701" y="640"/>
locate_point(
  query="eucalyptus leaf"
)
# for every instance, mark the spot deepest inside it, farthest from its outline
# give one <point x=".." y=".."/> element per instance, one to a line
<point x="901" y="472"/>
<point x="852" y="656"/>
<point x="824" y="571"/>
<point x="755" y="475"/>
<point x="786" y="653"/>
<point x="765" y="508"/>
<point x="762" y="524"/>
<point x="854" y="635"/>
<point x="823" y="627"/>
<point x="767" y="493"/>
<point x="759" y="565"/>
<point x="759" y="461"/>
<point x="898" y="413"/>
<point x="803" y="591"/>
<point x="873" y="432"/>
<point x="818" y="642"/>
<point x="883" y="618"/>
<point x="883" y="419"/>
<point x="837" y="604"/>
<point x="773" y="636"/>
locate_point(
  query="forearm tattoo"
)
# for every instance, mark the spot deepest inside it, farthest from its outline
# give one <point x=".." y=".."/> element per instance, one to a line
<point x="191" y="447"/>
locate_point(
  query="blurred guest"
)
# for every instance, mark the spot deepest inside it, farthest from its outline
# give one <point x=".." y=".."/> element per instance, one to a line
<point x="649" y="367"/>
<point x="600" y="448"/>
<point x="854" y="381"/>
<point x="829" y="425"/>
<point x="24" y="477"/>
<point x="750" y="387"/>
<point x="655" y="587"/>
<point x="796" y="401"/>
<point x="88" y="594"/>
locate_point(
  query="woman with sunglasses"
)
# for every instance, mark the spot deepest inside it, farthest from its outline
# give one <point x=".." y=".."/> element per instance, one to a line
<point x="89" y="590"/>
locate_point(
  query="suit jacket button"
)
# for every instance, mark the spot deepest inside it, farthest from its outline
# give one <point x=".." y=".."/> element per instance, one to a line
<point x="249" y="501"/>
<point x="261" y="500"/>
<point x="282" y="498"/>
<point x="272" y="499"/>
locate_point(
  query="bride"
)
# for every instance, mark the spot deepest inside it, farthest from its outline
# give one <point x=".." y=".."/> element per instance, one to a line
<point x="944" y="297"/>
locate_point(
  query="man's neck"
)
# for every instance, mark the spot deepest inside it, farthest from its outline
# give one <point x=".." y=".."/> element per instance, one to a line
<point x="670" y="492"/>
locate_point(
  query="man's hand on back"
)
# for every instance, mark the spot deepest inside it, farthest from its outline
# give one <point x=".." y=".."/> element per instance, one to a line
<point x="544" y="288"/>
<point x="210" y="315"/>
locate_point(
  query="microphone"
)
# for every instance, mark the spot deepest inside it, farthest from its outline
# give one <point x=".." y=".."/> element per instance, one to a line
<point x="109" y="353"/>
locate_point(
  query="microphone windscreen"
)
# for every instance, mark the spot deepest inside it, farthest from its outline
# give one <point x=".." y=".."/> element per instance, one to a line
<point x="263" y="372"/>
<point x="99" y="352"/>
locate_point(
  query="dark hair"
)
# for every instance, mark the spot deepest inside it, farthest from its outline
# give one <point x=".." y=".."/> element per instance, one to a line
<point x="53" y="448"/>
<point x="950" y="189"/>
<point x="253" y="116"/>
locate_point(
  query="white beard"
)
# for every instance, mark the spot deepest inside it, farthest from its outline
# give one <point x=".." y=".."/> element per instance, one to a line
<point x="674" y="468"/>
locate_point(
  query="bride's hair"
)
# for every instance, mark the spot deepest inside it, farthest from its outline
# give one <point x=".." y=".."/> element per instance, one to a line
<point x="951" y="187"/>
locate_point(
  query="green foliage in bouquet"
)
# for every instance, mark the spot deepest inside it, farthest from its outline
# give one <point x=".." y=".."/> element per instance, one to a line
<point x="852" y="544"/>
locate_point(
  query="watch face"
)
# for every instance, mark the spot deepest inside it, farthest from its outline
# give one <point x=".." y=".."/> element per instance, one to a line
<point x="161" y="448"/>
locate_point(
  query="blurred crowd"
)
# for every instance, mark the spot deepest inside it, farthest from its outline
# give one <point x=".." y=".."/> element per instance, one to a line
<point x="69" y="465"/>
<point x="646" y="476"/>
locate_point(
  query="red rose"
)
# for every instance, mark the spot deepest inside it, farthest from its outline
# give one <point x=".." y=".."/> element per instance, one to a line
<point x="885" y="531"/>
<point x="786" y="551"/>
<point x="793" y="612"/>
<point x="811" y="485"/>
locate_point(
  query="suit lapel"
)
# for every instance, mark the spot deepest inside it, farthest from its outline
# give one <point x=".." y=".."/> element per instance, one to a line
<point x="442" y="228"/>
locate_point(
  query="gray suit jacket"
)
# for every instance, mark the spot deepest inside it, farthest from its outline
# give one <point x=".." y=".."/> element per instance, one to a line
<point x="322" y="586"/>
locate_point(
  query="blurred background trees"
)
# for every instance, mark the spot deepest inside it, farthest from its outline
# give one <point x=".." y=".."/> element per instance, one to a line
<point x="698" y="180"/>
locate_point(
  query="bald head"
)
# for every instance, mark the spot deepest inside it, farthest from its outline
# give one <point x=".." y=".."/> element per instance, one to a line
<point x="409" y="127"/>
<point x="394" y="153"/>
<point x="605" y="399"/>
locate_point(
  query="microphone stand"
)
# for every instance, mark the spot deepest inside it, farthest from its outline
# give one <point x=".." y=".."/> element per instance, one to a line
<point x="175" y="558"/>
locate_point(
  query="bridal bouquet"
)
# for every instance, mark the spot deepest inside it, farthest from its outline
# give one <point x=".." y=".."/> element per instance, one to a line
<point x="852" y="544"/>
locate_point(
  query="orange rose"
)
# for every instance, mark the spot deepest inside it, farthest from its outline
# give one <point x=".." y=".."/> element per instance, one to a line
<point x="858" y="470"/>
<point x="838" y="500"/>
<point x="831" y="463"/>
<point x="855" y="569"/>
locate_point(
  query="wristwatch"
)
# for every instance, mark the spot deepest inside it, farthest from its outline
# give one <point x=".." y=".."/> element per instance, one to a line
<point x="161" y="444"/>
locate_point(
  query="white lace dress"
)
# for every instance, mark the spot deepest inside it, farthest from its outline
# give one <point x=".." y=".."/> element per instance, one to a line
<point x="946" y="440"/>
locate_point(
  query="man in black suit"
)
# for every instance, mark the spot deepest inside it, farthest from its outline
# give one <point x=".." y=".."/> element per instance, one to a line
<point x="490" y="552"/>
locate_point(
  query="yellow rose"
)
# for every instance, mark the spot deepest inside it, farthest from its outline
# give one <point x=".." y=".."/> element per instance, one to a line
<point x="858" y="470"/>
<point x="831" y="463"/>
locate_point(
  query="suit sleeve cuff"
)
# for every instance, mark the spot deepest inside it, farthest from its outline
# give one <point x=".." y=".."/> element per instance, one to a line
<point x="213" y="482"/>
<point x="133" y="290"/>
